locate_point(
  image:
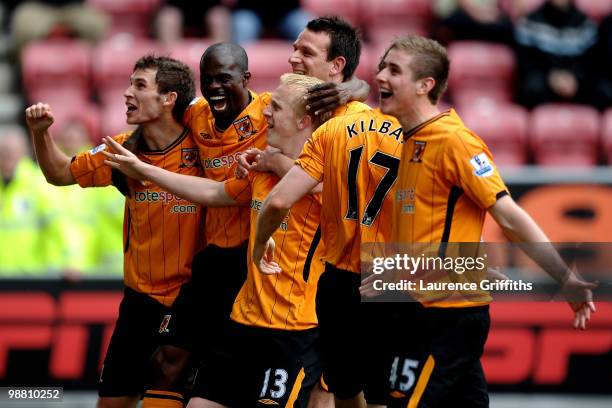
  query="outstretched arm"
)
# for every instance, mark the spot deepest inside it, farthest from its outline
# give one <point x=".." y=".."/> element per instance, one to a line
<point x="290" y="189"/>
<point x="54" y="164"/>
<point x="520" y="228"/>
<point x="198" y="190"/>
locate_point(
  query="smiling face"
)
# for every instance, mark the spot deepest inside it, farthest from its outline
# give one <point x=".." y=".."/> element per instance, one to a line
<point x="398" y="89"/>
<point x="309" y="55"/>
<point x="282" y="119"/>
<point x="143" y="101"/>
<point x="224" y="85"/>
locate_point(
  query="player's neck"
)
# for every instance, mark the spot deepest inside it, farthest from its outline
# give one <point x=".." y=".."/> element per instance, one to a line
<point x="300" y="138"/>
<point x="417" y="115"/>
<point x="338" y="78"/>
<point x="160" y="135"/>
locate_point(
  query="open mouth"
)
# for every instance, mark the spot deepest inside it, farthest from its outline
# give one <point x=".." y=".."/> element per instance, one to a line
<point x="130" y="107"/>
<point x="218" y="103"/>
<point x="299" y="71"/>
<point x="384" y="93"/>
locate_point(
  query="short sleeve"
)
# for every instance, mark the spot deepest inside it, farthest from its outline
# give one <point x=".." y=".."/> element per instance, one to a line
<point x="239" y="189"/>
<point x="312" y="158"/>
<point x="89" y="170"/>
<point x="469" y="165"/>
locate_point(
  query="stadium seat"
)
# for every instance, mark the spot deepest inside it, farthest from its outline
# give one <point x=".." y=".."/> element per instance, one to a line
<point x="482" y="66"/>
<point x="596" y="9"/>
<point x="113" y="119"/>
<point x="56" y="65"/>
<point x="381" y="35"/>
<point x="113" y="60"/>
<point x="349" y="9"/>
<point x="190" y="51"/>
<point x="128" y="16"/>
<point x="268" y="60"/>
<point x="84" y="111"/>
<point x="606" y="133"/>
<point x="367" y="67"/>
<point x="408" y="16"/>
<point x="503" y="127"/>
<point x="565" y="135"/>
<point x="516" y="9"/>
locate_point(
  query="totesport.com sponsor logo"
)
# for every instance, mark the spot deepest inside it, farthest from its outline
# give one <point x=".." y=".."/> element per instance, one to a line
<point x="165" y="198"/>
<point x="218" y="162"/>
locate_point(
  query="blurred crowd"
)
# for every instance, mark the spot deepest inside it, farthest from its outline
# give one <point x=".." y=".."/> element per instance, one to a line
<point x="512" y="58"/>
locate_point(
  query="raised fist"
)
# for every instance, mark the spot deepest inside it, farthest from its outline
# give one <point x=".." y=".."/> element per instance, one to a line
<point x="39" y="117"/>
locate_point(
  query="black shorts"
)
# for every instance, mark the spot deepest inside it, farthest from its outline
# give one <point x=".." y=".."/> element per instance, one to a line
<point x="352" y="337"/>
<point x="436" y="358"/>
<point x="261" y="367"/>
<point x="135" y="338"/>
<point x="202" y="308"/>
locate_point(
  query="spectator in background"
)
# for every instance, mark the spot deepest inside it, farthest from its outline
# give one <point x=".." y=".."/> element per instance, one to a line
<point x="29" y="234"/>
<point x="603" y="74"/>
<point x="33" y="20"/>
<point x="553" y="55"/>
<point x="251" y="17"/>
<point x="177" y="19"/>
<point x="472" y="20"/>
<point x="94" y="215"/>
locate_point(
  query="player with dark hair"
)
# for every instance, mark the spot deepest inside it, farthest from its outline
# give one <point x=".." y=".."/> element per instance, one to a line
<point x="161" y="231"/>
<point x="328" y="48"/>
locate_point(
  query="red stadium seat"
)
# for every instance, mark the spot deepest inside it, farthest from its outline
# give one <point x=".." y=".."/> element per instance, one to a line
<point x="516" y="9"/>
<point x="381" y="35"/>
<point x="128" y="16"/>
<point x="596" y="9"/>
<point x="409" y="13"/>
<point x="367" y="67"/>
<point x="113" y="119"/>
<point x="606" y="133"/>
<point x="463" y="97"/>
<point x="349" y="9"/>
<point x="268" y="60"/>
<point x="482" y="66"/>
<point x="113" y="60"/>
<point x="190" y="51"/>
<point x="61" y="64"/>
<point x="565" y="135"/>
<point x="503" y="127"/>
<point x="86" y="112"/>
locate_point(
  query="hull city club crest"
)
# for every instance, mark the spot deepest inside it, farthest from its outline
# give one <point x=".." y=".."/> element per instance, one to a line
<point x="417" y="153"/>
<point x="190" y="157"/>
<point x="244" y="127"/>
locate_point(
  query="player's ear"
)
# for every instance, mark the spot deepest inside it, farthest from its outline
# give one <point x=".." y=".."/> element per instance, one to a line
<point x="304" y="122"/>
<point x="338" y="65"/>
<point x="170" y="98"/>
<point x="425" y="85"/>
<point x="245" y="78"/>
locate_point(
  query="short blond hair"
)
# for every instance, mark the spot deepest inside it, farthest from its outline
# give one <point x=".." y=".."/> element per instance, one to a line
<point x="429" y="60"/>
<point x="299" y="85"/>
